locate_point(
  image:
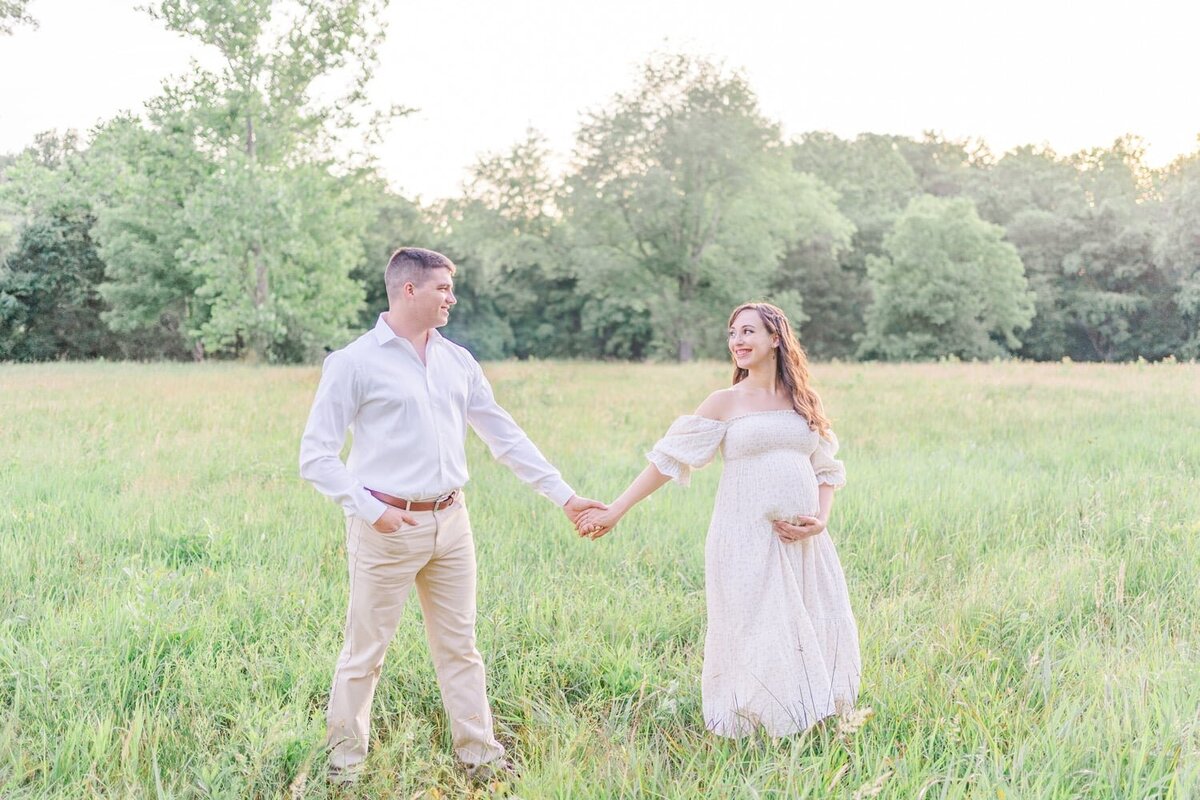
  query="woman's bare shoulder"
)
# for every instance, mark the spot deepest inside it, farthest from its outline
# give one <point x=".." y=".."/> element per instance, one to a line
<point x="717" y="405"/>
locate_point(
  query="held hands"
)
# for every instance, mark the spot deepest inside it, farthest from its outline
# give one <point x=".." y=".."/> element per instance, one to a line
<point x="577" y="506"/>
<point x="802" y="528"/>
<point x="595" y="523"/>
<point x="393" y="519"/>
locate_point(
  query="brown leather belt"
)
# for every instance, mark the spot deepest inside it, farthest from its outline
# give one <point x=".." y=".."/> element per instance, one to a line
<point x="420" y="505"/>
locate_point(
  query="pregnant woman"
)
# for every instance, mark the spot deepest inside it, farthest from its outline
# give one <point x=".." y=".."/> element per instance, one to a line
<point x="781" y="652"/>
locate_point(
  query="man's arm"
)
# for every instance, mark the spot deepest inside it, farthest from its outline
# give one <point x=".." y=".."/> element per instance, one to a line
<point x="512" y="448"/>
<point x="333" y="409"/>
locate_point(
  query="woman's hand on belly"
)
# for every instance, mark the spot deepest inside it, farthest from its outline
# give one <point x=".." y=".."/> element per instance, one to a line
<point x="800" y="527"/>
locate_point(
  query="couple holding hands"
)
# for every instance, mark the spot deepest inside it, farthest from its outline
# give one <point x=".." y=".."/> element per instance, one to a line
<point x="781" y="649"/>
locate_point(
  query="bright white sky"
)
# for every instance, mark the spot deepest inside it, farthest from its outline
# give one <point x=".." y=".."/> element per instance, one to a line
<point x="1012" y="72"/>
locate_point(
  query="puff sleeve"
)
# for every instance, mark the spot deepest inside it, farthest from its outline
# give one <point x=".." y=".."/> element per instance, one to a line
<point x="827" y="468"/>
<point x="690" y="443"/>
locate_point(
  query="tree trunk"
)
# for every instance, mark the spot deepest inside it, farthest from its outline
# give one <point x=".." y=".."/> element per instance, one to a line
<point x="687" y="290"/>
<point x="257" y="342"/>
<point x="261" y="287"/>
<point x="250" y="138"/>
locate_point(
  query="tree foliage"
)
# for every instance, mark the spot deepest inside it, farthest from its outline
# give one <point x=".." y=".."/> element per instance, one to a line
<point x="518" y="290"/>
<point x="230" y="190"/>
<point x="50" y="300"/>
<point x="948" y="286"/>
<point x="1179" y="247"/>
<point x="690" y="201"/>
<point x="1118" y="298"/>
<point x="236" y="218"/>
<point x="14" y="13"/>
<point x="149" y="175"/>
<point x="49" y="307"/>
<point x="874" y="183"/>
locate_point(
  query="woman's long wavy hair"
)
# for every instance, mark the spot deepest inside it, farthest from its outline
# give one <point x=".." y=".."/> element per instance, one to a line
<point x="791" y="366"/>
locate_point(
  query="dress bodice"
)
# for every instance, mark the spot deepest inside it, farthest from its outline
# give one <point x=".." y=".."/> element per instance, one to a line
<point x="761" y="437"/>
<point x="763" y="433"/>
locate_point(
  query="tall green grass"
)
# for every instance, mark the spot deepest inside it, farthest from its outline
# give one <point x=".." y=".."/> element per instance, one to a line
<point x="1020" y="542"/>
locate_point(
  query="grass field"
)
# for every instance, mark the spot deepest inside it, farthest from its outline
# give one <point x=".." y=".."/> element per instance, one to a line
<point x="1021" y="544"/>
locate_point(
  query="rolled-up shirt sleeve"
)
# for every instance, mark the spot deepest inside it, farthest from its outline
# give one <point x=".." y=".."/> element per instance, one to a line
<point x="333" y="409"/>
<point x="509" y="444"/>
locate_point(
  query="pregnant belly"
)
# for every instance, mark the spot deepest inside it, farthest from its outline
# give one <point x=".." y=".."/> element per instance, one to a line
<point x="771" y="488"/>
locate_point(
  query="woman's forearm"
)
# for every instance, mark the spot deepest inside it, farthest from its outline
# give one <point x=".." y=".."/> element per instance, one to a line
<point x="825" y="497"/>
<point x="647" y="483"/>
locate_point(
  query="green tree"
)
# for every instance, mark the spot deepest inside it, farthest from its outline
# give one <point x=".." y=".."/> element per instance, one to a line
<point x="870" y="174"/>
<point x="1027" y="178"/>
<point x="518" y="291"/>
<point x="1086" y="227"/>
<point x="10" y="217"/>
<point x="943" y="167"/>
<point x="1179" y="245"/>
<point x="682" y="203"/>
<point x="874" y="183"/>
<point x="948" y="286"/>
<point x="259" y="235"/>
<point x="48" y="302"/>
<point x="1119" y="302"/>
<point x="273" y="251"/>
<point x="10" y="214"/>
<point x="50" y="305"/>
<point x="145" y="177"/>
<point x="1039" y="200"/>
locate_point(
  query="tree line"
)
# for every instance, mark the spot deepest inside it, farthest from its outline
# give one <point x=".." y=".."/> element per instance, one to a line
<point x="221" y="224"/>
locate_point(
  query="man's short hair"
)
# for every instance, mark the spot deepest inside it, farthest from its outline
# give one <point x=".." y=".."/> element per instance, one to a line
<point x="413" y="265"/>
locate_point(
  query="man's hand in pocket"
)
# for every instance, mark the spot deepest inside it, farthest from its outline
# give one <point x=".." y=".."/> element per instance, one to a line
<point x="393" y="520"/>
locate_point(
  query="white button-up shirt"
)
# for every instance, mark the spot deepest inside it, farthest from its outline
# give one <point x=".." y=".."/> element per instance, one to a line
<point x="409" y="422"/>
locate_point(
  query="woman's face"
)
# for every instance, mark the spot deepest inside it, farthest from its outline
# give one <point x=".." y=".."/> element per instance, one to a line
<point x="749" y="342"/>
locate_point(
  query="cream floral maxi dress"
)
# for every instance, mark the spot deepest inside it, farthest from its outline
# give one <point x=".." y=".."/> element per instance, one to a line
<point x="782" y="646"/>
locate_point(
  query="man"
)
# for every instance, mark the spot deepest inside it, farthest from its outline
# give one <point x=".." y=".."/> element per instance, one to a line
<point x="408" y="395"/>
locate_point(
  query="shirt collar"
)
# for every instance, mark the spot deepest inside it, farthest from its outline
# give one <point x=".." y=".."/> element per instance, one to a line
<point x="384" y="333"/>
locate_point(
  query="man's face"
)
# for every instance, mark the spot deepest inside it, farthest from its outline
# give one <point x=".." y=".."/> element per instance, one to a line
<point x="432" y="298"/>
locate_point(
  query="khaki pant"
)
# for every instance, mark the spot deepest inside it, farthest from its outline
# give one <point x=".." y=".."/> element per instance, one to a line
<point x="438" y="556"/>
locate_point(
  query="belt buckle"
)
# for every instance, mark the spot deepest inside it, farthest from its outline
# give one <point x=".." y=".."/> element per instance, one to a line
<point x="437" y="504"/>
